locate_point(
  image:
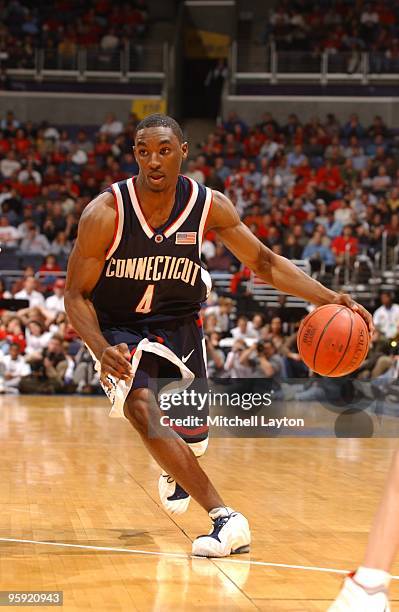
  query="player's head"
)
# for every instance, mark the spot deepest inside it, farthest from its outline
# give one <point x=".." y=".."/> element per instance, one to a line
<point x="159" y="149"/>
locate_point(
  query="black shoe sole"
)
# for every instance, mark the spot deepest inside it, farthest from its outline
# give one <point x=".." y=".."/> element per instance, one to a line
<point x="240" y="550"/>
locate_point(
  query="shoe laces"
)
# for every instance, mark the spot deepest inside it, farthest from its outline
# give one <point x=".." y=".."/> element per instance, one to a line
<point x="220" y="521"/>
<point x="169" y="479"/>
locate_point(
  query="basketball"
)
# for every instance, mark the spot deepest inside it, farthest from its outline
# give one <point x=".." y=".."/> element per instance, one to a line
<point x="333" y="340"/>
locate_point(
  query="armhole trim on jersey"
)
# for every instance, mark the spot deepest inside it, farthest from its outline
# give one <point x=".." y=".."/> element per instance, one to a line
<point x="186" y="210"/>
<point x="119" y="220"/>
<point x="204" y="217"/>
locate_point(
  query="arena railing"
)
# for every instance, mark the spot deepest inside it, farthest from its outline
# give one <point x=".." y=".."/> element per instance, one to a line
<point x="144" y="61"/>
<point x="250" y="63"/>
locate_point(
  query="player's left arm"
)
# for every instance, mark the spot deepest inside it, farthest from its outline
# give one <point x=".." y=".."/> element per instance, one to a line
<point x="274" y="269"/>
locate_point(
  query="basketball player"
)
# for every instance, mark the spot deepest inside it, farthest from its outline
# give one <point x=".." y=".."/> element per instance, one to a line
<point x="134" y="288"/>
<point x="366" y="589"/>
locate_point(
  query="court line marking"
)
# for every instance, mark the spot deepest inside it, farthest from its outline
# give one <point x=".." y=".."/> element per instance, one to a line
<point x="134" y="551"/>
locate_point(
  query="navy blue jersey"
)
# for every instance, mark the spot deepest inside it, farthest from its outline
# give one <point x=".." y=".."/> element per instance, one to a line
<point x="154" y="274"/>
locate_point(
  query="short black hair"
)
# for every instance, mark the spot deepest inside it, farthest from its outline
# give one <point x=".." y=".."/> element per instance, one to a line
<point x="160" y="120"/>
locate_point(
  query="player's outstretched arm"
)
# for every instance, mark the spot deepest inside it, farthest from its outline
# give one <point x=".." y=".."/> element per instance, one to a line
<point x="95" y="234"/>
<point x="270" y="267"/>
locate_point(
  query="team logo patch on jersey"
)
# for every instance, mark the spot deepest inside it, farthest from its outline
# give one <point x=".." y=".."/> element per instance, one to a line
<point x="186" y="238"/>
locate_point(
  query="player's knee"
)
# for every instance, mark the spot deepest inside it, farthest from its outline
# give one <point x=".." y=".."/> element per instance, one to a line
<point x="137" y="410"/>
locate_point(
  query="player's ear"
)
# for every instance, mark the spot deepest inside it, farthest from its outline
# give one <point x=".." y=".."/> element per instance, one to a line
<point x="184" y="150"/>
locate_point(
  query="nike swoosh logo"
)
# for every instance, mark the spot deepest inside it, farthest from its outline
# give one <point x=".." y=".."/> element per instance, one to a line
<point x="184" y="359"/>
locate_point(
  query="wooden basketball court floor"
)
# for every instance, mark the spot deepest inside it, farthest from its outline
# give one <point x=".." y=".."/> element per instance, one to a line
<point x="79" y="512"/>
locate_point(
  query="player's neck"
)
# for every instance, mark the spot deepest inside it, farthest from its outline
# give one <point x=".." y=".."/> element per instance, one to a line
<point x="151" y="201"/>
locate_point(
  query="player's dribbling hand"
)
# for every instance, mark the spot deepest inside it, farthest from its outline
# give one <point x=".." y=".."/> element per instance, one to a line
<point x="115" y="361"/>
<point x="346" y="300"/>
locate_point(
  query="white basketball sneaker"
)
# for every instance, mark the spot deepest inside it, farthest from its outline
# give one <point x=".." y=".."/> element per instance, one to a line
<point x="356" y="598"/>
<point x="230" y="535"/>
<point x="173" y="497"/>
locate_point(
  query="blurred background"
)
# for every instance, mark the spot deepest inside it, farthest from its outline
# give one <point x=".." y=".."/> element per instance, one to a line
<point x="291" y="108"/>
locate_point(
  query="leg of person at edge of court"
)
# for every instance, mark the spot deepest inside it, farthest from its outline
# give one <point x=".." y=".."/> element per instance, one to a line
<point x="367" y="587"/>
<point x="230" y="533"/>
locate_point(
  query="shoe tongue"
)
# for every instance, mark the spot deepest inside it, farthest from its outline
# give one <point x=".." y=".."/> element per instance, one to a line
<point x="220" y="512"/>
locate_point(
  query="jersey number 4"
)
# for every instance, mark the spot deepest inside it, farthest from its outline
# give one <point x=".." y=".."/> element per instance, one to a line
<point x="144" y="306"/>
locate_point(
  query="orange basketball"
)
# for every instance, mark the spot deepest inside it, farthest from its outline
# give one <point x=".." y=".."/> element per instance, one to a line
<point x="333" y="340"/>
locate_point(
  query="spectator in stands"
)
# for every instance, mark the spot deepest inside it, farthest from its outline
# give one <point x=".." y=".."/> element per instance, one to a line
<point x="292" y="249"/>
<point x="233" y="366"/>
<point x="60" y="245"/>
<point x="213" y="181"/>
<point x="9" y="165"/>
<point x="85" y="377"/>
<point x="296" y="158"/>
<point x="12" y="367"/>
<point x="386" y="317"/>
<point x="48" y="271"/>
<point x="222" y="170"/>
<point x="222" y="311"/>
<point x="232" y="120"/>
<point x="244" y="329"/>
<point x="9" y="123"/>
<point x="258" y="323"/>
<point x="36" y="339"/>
<point x="9" y="235"/>
<point x="47" y="371"/>
<point x="210" y="322"/>
<point x="215" y="355"/>
<point x="111" y="126"/>
<point x="29" y="293"/>
<point x="78" y="157"/>
<point x="193" y="172"/>
<point x="317" y="253"/>
<point x="377" y="128"/>
<point x="222" y="259"/>
<point x="109" y="42"/>
<point x="4" y="293"/>
<point x="345" y="244"/>
<point x="353" y="127"/>
<point x="273" y="332"/>
<point x="11" y="330"/>
<point x="67" y="54"/>
<point x="54" y="360"/>
<point x="382" y="181"/>
<point x="83" y="142"/>
<point x="34" y="243"/>
<point x="28" y="172"/>
<point x="293" y="364"/>
<point x="379" y="358"/>
<point x="55" y="303"/>
<point x="264" y="362"/>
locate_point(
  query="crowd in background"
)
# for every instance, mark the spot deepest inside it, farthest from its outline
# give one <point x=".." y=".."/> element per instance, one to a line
<point x="316" y="190"/>
<point x="63" y="26"/>
<point x="338" y="26"/>
<point x="313" y="190"/>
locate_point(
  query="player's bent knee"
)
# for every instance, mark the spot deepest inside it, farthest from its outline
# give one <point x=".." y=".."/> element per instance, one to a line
<point x="137" y="409"/>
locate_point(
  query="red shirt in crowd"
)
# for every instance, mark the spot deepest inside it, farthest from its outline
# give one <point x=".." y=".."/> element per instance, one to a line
<point x="340" y="243"/>
<point x="331" y="177"/>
